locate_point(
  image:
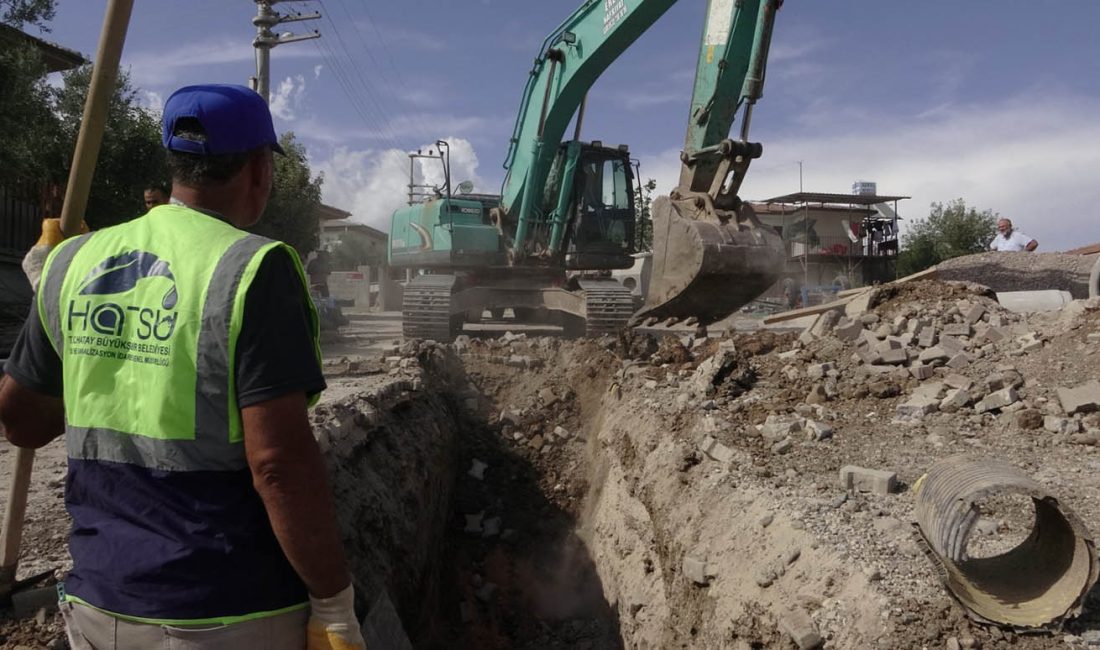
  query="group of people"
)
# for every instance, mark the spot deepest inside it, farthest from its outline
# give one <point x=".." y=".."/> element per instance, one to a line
<point x="178" y="354"/>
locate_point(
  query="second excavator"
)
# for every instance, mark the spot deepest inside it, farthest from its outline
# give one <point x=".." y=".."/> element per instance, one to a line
<point x="566" y="214"/>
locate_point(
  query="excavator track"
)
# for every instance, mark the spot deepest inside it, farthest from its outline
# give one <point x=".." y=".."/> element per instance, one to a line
<point x="608" y="305"/>
<point x="426" y="309"/>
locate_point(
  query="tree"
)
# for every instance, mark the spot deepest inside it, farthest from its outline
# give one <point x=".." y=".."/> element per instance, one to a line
<point x="28" y="126"/>
<point x="291" y="211"/>
<point x="354" y="250"/>
<point x="130" y="158"/>
<point x="949" y="231"/>
<point x="643" y="231"/>
<point x="27" y="12"/>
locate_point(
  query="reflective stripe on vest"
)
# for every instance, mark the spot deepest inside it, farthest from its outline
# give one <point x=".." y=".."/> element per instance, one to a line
<point x="145" y="317"/>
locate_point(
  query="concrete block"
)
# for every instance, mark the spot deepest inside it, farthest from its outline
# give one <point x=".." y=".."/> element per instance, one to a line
<point x="921" y="371"/>
<point x="934" y="355"/>
<point x="933" y="389"/>
<point x="914" y="326"/>
<point x="860" y="304"/>
<point x="860" y="479"/>
<point x="895" y="356"/>
<point x="917" y="407"/>
<point x="973" y="314"/>
<point x="997" y="400"/>
<point x="882" y="331"/>
<point x="869" y="356"/>
<point x="825" y="323"/>
<point x="778" y="427"/>
<point x="800" y="628"/>
<point x="927" y="337"/>
<point x="957" y="329"/>
<point x="1082" y="399"/>
<point x="994" y="334"/>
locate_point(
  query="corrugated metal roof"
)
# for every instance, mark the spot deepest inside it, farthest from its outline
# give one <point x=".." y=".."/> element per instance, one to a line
<point x="826" y="197"/>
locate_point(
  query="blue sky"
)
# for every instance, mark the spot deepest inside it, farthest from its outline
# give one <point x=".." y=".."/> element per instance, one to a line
<point x="997" y="103"/>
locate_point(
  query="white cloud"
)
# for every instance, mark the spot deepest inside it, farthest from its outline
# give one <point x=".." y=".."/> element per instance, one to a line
<point x="1031" y="159"/>
<point x="163" y="66"/>
<point x="287" y="98"/>
<point x="372" y="183"/>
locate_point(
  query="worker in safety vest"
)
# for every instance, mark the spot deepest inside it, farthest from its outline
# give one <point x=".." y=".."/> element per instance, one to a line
<point x="178" y="353"/>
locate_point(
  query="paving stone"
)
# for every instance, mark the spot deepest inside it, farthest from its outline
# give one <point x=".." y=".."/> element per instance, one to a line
<point x="997" y="400"/>
<point x="860" y="479"/>
<point x="951" y="345"/>
<point x="1081" y="399"/>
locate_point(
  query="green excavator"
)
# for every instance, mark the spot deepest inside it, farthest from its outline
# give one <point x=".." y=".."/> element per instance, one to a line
<point x="566" y="215"/>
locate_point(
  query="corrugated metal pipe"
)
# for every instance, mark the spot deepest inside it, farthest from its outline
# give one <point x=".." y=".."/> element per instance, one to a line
<point x="1039" y="583"/>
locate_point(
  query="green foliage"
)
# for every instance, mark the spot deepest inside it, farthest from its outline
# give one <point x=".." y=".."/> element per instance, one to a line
<point x="28" y="128"/>
<point x="290" y="215"/>
<point x="949" y="231"/>
<point x="354" y="250"/>
<point x="130" y="157"/>
<point x="643" y="230"/>
<point x="18" y="13"/>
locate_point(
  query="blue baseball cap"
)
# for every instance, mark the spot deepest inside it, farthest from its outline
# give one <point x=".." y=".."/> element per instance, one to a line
<point x="235" y="118"/>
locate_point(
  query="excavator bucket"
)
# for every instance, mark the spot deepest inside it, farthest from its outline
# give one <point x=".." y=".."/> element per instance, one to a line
<point x="704" y="267"/>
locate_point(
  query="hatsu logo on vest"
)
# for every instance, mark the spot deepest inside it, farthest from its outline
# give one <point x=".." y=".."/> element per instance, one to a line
<point x="115" y="276"/>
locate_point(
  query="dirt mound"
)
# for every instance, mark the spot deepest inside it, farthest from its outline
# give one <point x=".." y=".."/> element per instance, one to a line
<point x="1022" y="271"/>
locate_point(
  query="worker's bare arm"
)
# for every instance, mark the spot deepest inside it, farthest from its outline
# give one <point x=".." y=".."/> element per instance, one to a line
<point x="30" y="419"/>
<point x="1032" y="245"/>
<point x="288" y="472"/>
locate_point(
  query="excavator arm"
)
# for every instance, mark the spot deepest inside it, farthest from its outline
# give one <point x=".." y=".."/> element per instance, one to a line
<point x="570" y="61"/>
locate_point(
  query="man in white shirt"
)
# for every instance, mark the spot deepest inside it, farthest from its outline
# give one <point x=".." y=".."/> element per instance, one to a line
<point x="1009" y="240"/>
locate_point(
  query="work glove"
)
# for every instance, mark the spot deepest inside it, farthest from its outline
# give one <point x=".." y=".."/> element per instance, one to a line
<point x="35" y="259"/>
<point x="332" y="624"/>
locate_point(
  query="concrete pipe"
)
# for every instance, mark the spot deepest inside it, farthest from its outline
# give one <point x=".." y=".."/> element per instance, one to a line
<point x="1025" y="302"/>
<point x="1040" y="582"/>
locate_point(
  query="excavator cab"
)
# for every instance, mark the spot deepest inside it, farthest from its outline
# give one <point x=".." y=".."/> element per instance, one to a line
<point x="601" y="233"/>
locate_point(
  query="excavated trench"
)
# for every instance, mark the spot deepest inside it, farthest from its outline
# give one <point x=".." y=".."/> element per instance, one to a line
<point x="537" y="493"/>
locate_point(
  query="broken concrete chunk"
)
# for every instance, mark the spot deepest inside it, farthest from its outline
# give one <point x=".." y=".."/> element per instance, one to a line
<point x="825" y="323"/>
<point x="934" y="355"/>
<point x="927" y="337"/>
<point x="473" y="523"/>
<point x="477" y="469"/>
<point x="951" y="345"/>
<point x="955" y="399"/>
<point x="817" y="395"/>
<point x="1082" y="399"/>
<point x="896" y="357"/>
<point x="954" y="380"/>
<point x="973" y="314"/>
<point x="957" y="329"/>
<point x="859" y="479"/>
<point x="819" y="370"/>
<point x="997" y="400"/>
<point x="818" y="431"/>
<point x="797" y="625"/>
<point x="847" y="329"/>
<point x="921" y="371"/>
<point x="1056" y="424"/>
<point x="1029" y="342"/>
<point x="917" y="407"/>
<point x="933" y="389"/>
<point x="695" y="570"/>
<point x="777" y="427"/>
<point x="960" y="360"/>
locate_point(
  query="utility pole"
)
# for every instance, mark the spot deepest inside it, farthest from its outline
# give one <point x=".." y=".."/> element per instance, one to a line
<point x="265" y="19"/>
